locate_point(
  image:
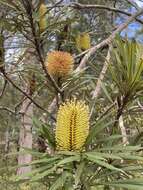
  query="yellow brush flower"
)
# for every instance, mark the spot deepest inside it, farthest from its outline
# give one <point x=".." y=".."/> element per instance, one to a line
<point x="72" y="125"/>
<point x="59" y="63"/>
<point x="42" y="16"/>
<point x="83" y="41"/>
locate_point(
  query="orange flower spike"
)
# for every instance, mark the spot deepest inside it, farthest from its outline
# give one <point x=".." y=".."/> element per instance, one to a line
<point x="59" y="63"/>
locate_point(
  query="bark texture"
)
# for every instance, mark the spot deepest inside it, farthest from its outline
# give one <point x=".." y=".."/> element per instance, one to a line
<point x="25" y="137"/>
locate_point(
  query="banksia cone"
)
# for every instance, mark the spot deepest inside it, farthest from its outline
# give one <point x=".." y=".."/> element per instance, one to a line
<point x="59" y="63"/>
<point x="72" y="126"/>
<point x="42" y="16"/>
<point x="83" y="41"/>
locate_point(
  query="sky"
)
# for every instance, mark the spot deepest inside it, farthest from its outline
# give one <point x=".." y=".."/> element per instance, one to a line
<point x="134" y="27"/>
<point x="139" y="3"/>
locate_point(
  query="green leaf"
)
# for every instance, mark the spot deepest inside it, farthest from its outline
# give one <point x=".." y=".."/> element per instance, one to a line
<point x="60" y="181"/>
<point x="122" y="148"/>
<point x="109" y="138"/>
<point x="43" y="174"/>
<point x="46" y="131"/>
<point x="130" y="157"/>
<point x="106" y="92"/>
<point x="67" y="153"/>
<point x="128" y="186"/>
<point x="79" y="172"/>
<point x="33" y="152"/>
<point x="91" y="154"/>
<point x="105" y="155"/>
<point x="45" y="160"/>
<point x="102" y="163"/>
<point x="69" y="159"/>
<point x="132" y="181"/>
<point x="99" y="126"/>
<point x="49" y="136"/>
<point x="32" y="173"/>
<point x="10" y="4"/>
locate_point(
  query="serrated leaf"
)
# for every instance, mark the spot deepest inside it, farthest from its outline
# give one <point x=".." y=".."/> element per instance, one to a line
<point x="69" y="159"/>
<point x="45" y="131"/>
<point x="42" y="174"/>
<point x="106" y="92"/>
<point x="60" y="181"/>
<point x="96" y="129"/>
<point x="102" y="163"/>
<point x="79" y="171"/>
<point x="122" y="148"/>
<point x="31" y="173"/>
<point x="128" y="186"/>
<point x="106" y="155"/>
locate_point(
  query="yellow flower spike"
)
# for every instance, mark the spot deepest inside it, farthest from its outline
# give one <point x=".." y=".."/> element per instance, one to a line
<point x="42" y="16"/>
<point x="83" y="41"/>
<point x="59" y="63"/>
<point x="72" y="126"/>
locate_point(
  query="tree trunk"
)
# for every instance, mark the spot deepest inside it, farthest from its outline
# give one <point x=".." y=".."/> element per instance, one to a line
<point x="25" y="136"/>
<point x="6" y="148"/>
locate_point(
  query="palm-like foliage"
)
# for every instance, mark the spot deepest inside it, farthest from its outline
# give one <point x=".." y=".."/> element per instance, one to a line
<point x="127" y="67"/>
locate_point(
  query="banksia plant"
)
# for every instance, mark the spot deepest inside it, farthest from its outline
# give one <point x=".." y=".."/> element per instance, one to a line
<point x="59" y="63"/>
<point x="42" y="16"/>
<point x="72" y="126"/>
<point x="83" y="41"/>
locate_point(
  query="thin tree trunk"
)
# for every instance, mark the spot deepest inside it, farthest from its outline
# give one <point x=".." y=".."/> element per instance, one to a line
<point x="6" y="148"/>
<point x="123" y="131"/>
<point x="25" y="136"/>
